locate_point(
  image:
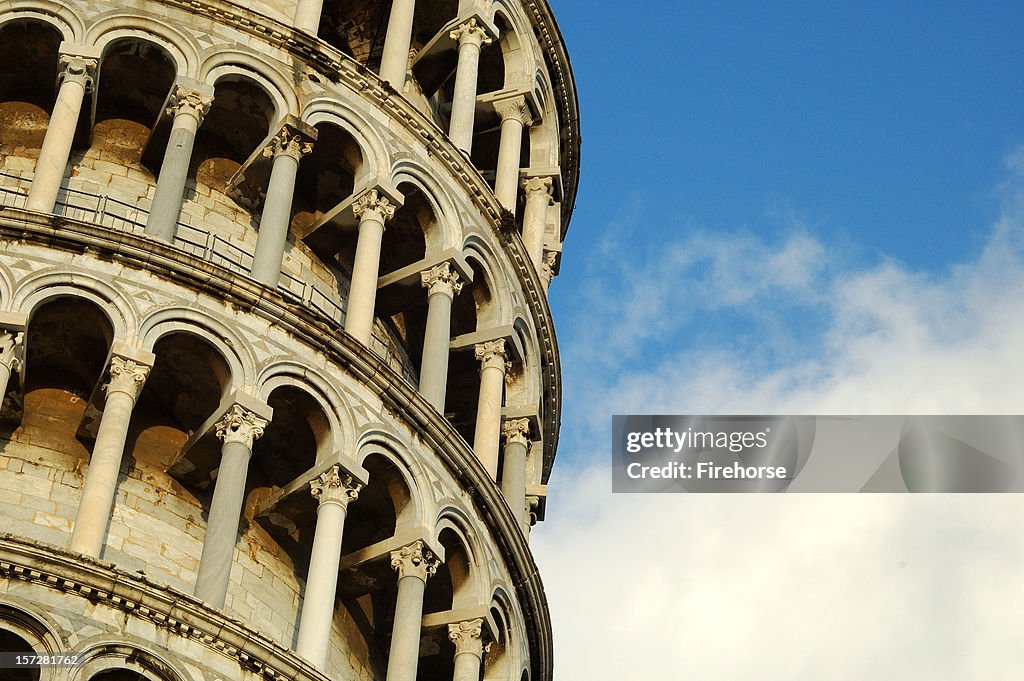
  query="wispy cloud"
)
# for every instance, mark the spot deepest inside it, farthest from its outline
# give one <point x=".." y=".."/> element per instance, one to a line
<point x="792" y="587"/>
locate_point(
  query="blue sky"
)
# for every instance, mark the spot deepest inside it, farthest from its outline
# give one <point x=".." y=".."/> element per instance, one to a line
<point x="808" y="208"/>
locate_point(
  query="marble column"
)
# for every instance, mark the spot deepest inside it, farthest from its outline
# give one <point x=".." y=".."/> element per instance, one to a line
<point x="515" y="116"/>
<point x="471" y="37"/>
<point x="442" y="286"/>
<point x="238" y="429"/>
<point x="127" y="377"/>
<point x="286" y="148"/>
<point x="535" y="216"/>
<point x="493" y="363"/>
<point x="414" y="564"/>
<point x="513" y="473"/>
<point x="12" y="353"/>
<point x="187" y="106"/>
<point x="307" y="16"/>
<point x="335" y="490"/>
<point x="373" y="209"/>
<point x="394" y="61"/>
<point x="76" y="78"/>
<point x="469" y="649"/>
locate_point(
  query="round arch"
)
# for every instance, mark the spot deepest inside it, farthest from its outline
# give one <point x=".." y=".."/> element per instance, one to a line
<point x="56" y="14"/>
<point x="234" y="349"/>
<point x="452" y="517"/>
<point x="47" y="285"/>
<point x="112" y="27"/>
<point x="286" y="372"/>
<point x="478" y="251"/>
<point x="376" y="440"/>
<point x="106" y="654"/>
<point x="330" y="111"/>
<point x="229" y="62"/>
<point x="450" y="227"/>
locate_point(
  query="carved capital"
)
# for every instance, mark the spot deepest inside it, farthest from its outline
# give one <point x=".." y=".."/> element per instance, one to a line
<point x="470" y="33"/>
<point x="374" y="201"/>
<point x="514" y="108"/>
<point x="126" y="376"/>
<point x="189" y="102"/>
<point x="516" y="431"/>
<point x="335" y="486"/>
<point x="491" y="354"/>
<point x="78" y="69"/>
<point x="240" y="425"/>
<point x="414" y="560"/>
<point x="290" y="142"/>
<point x="441" y="279"/>
<point x="468" y="637"/>
<point x="547" y="267"/>
<point x="533" y="186"/>
<point x="12" y="349"/>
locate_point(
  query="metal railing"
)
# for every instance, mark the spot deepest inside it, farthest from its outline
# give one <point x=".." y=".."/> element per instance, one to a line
<point x="101" y="209"/>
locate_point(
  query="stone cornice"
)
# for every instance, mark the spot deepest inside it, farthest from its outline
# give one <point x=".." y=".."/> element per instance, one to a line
<point x="166" y="607"/>
<point x="318" y="332"/>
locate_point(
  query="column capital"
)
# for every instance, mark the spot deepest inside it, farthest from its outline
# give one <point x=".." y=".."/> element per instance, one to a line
<point x="537" y="185"/>
<point x="335" y="486"/>
<point x="240" y="425"/>
<point x="126" y="376"/>
<point x="441" y="279"/>
<point x="79" y="68"/>
<point x="415" y="560"/>
<point x="468" y="637"/>
<point x="548" y="266"/>
<point x="189" y="101"/>
<point x="289" y="141"/>
<point x="471" y="33"/>
<point x="514" y="108"/>
<point x="12" y="349"/>
<point x="491" y="354"/>
<point x="516" y="431"/>
<point x="374" y="200"/>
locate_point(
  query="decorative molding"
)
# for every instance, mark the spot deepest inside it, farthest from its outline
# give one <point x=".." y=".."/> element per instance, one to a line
<point x="415" y="560"/>
<point x="12" y="349"/>
<point x="374" y="201"/>
<point x="79" y="69"/>
<point x="468" y="637"/>
<point x="126" y="376"/>
<point x="289" y="142"/>
<point x="335" y="487"/>
<point x="514" y="108"/>
<point x="240" y="425"/>
<point x="492" y="355"/>
<point x="441" y="279"/>
<point x="188" y="101"/>
<point x="516" y="431"/>
<point x="470" y="33"/>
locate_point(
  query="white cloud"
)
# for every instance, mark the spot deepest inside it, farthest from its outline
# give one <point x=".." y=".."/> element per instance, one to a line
<point x="789" y="587"/>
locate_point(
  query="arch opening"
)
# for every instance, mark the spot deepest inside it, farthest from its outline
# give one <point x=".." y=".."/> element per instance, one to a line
<point x="29" y="51"/>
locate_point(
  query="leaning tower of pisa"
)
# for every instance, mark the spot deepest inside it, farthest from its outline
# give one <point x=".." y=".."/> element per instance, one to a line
<point x="281" y="390"/>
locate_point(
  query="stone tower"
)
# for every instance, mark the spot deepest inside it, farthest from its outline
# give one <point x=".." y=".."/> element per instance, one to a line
<point x="280" y="384"/>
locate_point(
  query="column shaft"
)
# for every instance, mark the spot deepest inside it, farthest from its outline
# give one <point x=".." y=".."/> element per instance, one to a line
<point x="373" y="210"/>
<point x="307" y="16"/>
<point x="415" y="563"/>
<point x="274" y="223"/>
<point x="535" y="217"/>
<point x="471" y="38"/>
<point x="100" y="484"/>
<point x="442" y="284"/>
<point x="222" y="524"/>
<point x="506" y="182"/>
<point x="405" y="637"/>
<point x="237" y="429"/>
<point x="513" y="472"/>
<point x="395" y="59"/>
<point x="188" y="108"/>
<point x="334" y="492"/>
<point x="60" y="133"/>
<point x="486" y="436"/>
